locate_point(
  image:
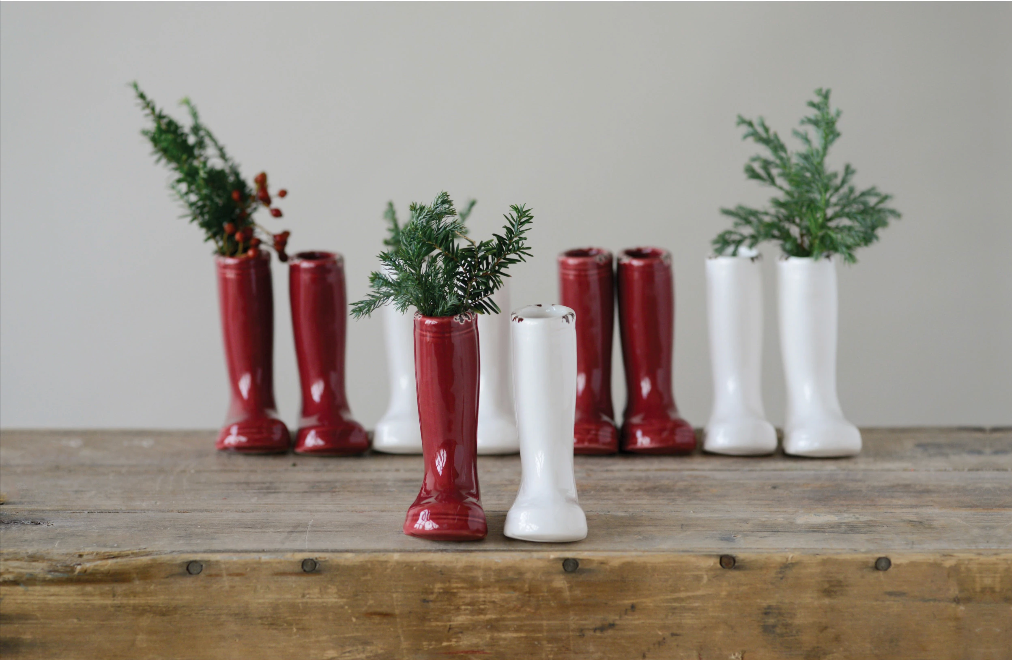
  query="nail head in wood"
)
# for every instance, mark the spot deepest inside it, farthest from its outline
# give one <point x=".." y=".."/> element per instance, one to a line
<point x="308" y="565"/>
<point x="727" y="561"/>
<point x="883" y="564"/>
<point x="570" y="565"/>
<point x="194" y="568"/>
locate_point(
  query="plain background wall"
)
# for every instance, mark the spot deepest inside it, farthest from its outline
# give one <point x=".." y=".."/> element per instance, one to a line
<point x="614" y="122"/>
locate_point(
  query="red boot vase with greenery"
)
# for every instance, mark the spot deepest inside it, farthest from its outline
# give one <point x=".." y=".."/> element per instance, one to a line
<point x="586" y="285"/>
<point x="319" y="317"/>
<point x="210" y="187"/>
<point x="448" y="506"/>
<point x="449" y="278"/>
<point x="646" y="304"/>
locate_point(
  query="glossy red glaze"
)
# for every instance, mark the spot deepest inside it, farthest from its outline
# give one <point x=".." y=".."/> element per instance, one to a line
<point x="246" y="300"/>
<point x="586" y="284"/>
<point x="448" y="507"/>
<point x="646" y="303"/>
<point x="319" y="316"/>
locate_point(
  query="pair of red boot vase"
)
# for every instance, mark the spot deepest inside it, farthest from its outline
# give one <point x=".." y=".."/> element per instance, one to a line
<point x="318" y="301"/>
<point x="646" y="303"/>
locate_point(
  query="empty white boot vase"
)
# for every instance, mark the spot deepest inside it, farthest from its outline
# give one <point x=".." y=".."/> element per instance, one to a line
<point x="734" y="299"/>
<point x="544" y="369"/>
<point x="398" y="431"/>
<point x="815" y="425"/>
<point x="497" y="420"/>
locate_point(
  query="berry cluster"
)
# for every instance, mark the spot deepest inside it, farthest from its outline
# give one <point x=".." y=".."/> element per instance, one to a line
<point x="240" y="237"/>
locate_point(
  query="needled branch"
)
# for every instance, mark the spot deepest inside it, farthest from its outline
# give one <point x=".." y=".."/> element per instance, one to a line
<point x="819" y="212"/>
<point x="427" y="267"/>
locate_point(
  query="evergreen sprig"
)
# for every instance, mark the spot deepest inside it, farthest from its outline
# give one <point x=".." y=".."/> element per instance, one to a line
<point x="208" y="182"/>
<point x="394" y="229"/>
<point x="818" y="212"/>
<point x="434" y="266"/>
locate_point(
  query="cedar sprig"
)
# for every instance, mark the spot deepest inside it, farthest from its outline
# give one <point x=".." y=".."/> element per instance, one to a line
<point x="209" y="184"/>
<point x="818" y="213"/>
<point x="435" y="267"/>
<point x="394" y="228"/>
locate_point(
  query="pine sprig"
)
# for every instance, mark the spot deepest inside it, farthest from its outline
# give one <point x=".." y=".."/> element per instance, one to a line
<point x="435" y="267"/>
<point x="818" y="212"/>
<point x="208" y="182"/>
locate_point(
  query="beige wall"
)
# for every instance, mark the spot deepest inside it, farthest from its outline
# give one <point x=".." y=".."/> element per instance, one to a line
<point x="615" y="122"/>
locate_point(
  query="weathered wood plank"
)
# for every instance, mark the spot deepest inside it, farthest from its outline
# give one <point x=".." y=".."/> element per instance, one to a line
<point x="911" y="489"/>
<point x="507" y="605"/>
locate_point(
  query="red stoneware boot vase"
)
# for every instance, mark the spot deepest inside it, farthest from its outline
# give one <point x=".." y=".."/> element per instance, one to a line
<point x="448" y="507"/>
<point x="586" y="285"/>
<point x="319" y="316"/>
<point x="246" y="300"/>
<point x="646" y="307"/>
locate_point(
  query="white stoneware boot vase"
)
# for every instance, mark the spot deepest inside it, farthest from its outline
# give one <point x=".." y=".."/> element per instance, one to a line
<point x="814" y="424"/>
<point x="398" y="431"/>
<point x="544" y="384"/>
<point x="497" y="420"/>
<point x="734" y="300"/>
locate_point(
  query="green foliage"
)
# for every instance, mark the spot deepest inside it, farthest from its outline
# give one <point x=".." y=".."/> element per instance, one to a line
<point x="207" y="181"/>
<point x="433" y="265"/>
<point x="818" y="213"/>
<point x="394" y="229"/>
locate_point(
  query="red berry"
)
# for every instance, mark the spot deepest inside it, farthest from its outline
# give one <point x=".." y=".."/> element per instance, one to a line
<point x="229" y="228"/>
<point x="252" y="252"/>
<point x="264" y="196"/>
<point x="236" y="196"/>
<point x="243" y="215"/>
<point x="276" y="213"/>
<point x="240" y="236"/>
<point x="282" y="193"/>
<point x="254" y="242"/>
<point x="260" y="179"/>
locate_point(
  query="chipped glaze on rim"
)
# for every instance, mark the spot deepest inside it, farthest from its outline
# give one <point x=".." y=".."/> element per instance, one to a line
<point x="641" y="256"/>
<point x="446" y="324"/>
<point x="585" y="259"/>
<point x="316" y="259"/>
<point x="544" y="314"/>
<point x="237" y="263"/>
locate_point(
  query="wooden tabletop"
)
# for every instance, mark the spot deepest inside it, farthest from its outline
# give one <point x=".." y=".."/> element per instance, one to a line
<point x="116" y="519"/>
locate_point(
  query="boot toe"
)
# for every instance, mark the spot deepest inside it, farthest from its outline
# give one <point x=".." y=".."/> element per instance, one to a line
<point x="665" y="436"/>
<point x="332" y="440"/>
<point x="255" y="436"/>
<point x="446" y="519"/>
<point x="561" y="521"/>
<point x="597" y="437"/>
<point x="746" y="436"/>
<point x="835" y="438"/>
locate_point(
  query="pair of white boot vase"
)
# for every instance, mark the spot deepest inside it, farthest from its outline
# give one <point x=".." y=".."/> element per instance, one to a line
<point x="815" y="425"/>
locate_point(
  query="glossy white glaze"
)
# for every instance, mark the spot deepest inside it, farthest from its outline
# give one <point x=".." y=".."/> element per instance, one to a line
<point x="544" y="367"/>
<point x="497" y="421"/>
<point x="398" y="431"/>
<point x="814" y="425"/>
<point x="734" y="299"/>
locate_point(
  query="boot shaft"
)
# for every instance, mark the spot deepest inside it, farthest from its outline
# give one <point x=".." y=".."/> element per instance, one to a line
<point x="646" y="303"/>
<point x="586" y="285"/>
<point x="735" y="315"/>
<point x="246" y="303"/>
<point x="807" y="305"/>
<point x="446" y="373"/>
<point x="319" y="320"/>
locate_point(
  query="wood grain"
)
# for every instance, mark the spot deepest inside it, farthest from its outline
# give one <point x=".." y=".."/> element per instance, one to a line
<point x="98" y="528"/>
